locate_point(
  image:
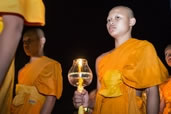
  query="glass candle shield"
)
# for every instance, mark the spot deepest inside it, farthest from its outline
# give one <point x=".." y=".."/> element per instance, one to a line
<point x="80" y="74"/>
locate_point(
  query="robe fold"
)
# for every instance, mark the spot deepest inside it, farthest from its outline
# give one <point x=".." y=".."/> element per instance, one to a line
<point x="6" y="91"/>
<point x="133" y="65"/>
<point x="40" y="78"/>
<point x="33" y="11"/>
<point x="165" y="90"/>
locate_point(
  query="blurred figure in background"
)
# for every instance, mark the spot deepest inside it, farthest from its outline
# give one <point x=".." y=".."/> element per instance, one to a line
<point x="165" y="88"/>
<point x="40" y="81"/>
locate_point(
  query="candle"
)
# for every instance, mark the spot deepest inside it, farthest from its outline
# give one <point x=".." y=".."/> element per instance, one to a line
<point x="80" y="80"/>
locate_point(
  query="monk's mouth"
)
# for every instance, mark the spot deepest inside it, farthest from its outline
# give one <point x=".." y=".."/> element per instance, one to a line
<point x="169" y="60"/>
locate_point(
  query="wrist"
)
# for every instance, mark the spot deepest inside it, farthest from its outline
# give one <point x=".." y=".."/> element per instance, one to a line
<point x="88" y="110"/>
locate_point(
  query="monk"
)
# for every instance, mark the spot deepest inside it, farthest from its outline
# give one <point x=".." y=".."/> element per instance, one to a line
<point x="14" y="14"/>
<point x="128" y="75"/>
<point x="39" y="81"/>
<point x="165" y="104"/>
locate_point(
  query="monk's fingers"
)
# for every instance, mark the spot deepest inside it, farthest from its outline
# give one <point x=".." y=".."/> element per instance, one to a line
<point x="77" y="104"/>
<point x="84" y="92"/>
<point x="77" y="99"/>
<point x="80" y="98"/>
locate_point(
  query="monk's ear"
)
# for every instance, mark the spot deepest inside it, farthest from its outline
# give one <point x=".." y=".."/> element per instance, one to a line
<point x="132" y="22"/>
<point x="43" y="40"/>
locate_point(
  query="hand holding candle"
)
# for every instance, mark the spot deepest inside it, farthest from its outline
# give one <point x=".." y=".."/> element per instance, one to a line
<point x="80" y="75"/>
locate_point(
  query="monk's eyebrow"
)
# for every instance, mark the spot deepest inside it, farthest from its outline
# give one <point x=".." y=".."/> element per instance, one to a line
<point x="167" y="54"/>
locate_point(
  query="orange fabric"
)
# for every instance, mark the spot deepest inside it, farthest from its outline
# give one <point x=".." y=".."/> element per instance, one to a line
<point x="166" y="94"/>
<point x="112" y="81"/>
<point x="41" y="77"/>
<point x="139" y="67"/>
<point x="127" y="103"/>
<point x="27" y="100"/>
<point x="6" y="91"/>
<point x="33" y="11"/>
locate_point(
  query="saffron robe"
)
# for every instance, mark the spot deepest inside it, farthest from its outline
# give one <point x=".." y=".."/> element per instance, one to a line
<point x="165" y="90"/>
<point x="6" y="91"/>
<point x="133" y="65"/>
<point x="37" y="80"/>
<point x="33" y="11"/>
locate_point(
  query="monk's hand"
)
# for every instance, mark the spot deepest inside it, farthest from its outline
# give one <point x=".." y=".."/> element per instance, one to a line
<point x="80" y="99"/>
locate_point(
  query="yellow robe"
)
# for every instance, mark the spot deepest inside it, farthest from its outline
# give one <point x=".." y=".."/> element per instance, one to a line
<point x="165" y="90"/>
<point x="6" y="91"/>
<point x="36" y="80"/>
<point x="133" y="65"/>
<point x="33" y="11"/>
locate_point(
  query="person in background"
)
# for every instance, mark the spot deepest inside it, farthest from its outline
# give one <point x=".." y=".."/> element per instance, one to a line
<point x="128" y="75"/>
<point x="14" y="14"/>
<point x="40" y="81"/>
<point x="165" y="88"/>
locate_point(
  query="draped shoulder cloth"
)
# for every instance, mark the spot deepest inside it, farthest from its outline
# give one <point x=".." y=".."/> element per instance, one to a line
<point x="135" y="63"/>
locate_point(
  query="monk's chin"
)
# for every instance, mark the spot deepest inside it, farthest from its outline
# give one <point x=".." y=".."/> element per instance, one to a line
<point x="169" y="63"/>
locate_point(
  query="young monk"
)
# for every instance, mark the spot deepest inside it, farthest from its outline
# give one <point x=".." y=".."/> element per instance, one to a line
<point x="127" y="76"/>
<point x="165" y="88"/>
<point x="14" y="14"/>
<point x="39" y="81"/>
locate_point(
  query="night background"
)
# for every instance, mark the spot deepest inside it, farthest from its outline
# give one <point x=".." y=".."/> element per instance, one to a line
<point x="77" y="28"/>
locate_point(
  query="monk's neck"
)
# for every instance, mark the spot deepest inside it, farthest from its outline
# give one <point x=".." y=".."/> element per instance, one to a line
<point x="34" y="58"/>
<point x="120" y="41"/>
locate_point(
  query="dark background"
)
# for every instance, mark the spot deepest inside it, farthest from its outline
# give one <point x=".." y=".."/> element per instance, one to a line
<point x="77" y="28"/>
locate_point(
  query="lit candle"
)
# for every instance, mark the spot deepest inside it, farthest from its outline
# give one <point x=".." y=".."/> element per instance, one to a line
<point x="80" y="62"/>
<point x="80" y="80"/>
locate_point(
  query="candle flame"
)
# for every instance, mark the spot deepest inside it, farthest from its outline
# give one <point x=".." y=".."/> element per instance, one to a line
<point x="80" y="62"/>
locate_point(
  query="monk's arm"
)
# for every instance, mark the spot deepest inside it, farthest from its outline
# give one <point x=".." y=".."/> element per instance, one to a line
<point x="9" y="39"/>
<point x="48" y="105"/>
<point x="92" y="95"/>
<point x="162" y="105"/>
<point x="153" y="100"/>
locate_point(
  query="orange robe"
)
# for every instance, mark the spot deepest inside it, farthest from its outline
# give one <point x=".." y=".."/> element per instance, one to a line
<point x="165" y="90"/>
<point x="6" y="91"/>
<point x="36" y="80"/>
<point x="33" y="12"/>
<point x="133" y="65"/>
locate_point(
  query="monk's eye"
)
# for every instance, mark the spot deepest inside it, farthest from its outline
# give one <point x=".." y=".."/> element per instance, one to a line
<point x="108" y="20"/>
<point x="117" y="17"/>
<point x="27" y="41"/>
<point x="167" y="54"/>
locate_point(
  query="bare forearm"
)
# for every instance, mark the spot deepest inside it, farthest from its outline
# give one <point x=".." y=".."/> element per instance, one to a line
<point x="153" y="100"/>
<point x="162" y="105"/>
<point x="9" y="39"/>
<point x="92" y="98"/>
<point x="48" y="105"/>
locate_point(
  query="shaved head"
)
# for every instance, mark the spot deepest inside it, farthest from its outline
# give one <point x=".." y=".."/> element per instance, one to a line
<point x="35" y="32"/>
<point x="125" y="8"/>
<point x="167" y="47"/>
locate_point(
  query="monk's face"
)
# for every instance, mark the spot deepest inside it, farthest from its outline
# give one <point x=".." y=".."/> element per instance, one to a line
<point x="31" y="46"/>
<point x="168" y="56"/>
<point x="118" y="22"/>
